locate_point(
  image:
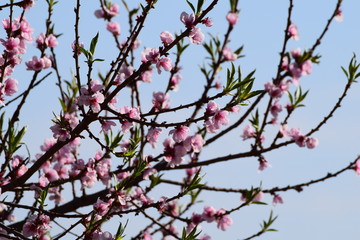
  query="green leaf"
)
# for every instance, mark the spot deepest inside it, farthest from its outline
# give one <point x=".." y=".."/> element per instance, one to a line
<point x="191" y="6"/>
<point x="84" y="51"/>
<point x="120" y="232"/>
<point x="126" y="6"/>
<point x="199" y="6"/>
<point x="93" y="44"/>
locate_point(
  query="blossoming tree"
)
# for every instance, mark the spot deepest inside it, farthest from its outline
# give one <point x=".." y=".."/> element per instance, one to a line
<point x="60" y="193"/>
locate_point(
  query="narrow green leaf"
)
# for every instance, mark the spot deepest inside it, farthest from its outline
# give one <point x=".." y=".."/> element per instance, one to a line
<point x="191" y="6"/>
<point x="199" y="6"/>
<point x="93" y="44"/>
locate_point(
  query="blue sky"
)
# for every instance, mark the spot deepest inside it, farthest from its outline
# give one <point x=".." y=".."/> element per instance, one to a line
<point x="324" y="211"/>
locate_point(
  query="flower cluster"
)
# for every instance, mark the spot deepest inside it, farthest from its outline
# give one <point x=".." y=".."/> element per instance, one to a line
<point x="180" y="144"/>
<point x="210" y="214"/>
<point x="195" y="35"/>
<point x="92" y="96"/>
<point x="130" y="113"/>
<point x="153" y="55"/>
<point x="36" y="226"/>
<point x="219" y="117"/>
<point x="300" y="139"/>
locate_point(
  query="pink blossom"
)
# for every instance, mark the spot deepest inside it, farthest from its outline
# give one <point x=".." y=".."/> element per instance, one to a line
<point x="36" y="225"/>
<point x="232" y="18"/>
<point x="299" y="138"/>
<point x="56" y="195"/>
<point x="146" y="76"/>
<point x="263" y="164"/>
<point x="62" y="170"/>
<point x="306" y="68"/>
<point x="99" y="13"/>
<point x="276" y="91"/>
<point x="89" y="178"/>
<point x="153" y="136"/>
<point x="107" y="13"/>
<point x="209" y="214"/>
<point x="196" y="36"/>
<point x="13" y="45"/>
<point x="51" y="174"/>
<point x="40" y="41"/>
<point x="180" y="133"/>
<point x="126" y="70"/>
<point x="166" y="37"/>
<point x="99" y="235"/>
<point x="223" y="221"/>
<point x="160" y="100"/>
<point x="357" y="167"/>
<point x="258" y="197"/>
<point x="164" y="63"/>
<point x="190" y="227"/>
<point x="228" y="54"/>
<point x="101" y="207"/>
<point x="175" y="80"/>
<point x="220" y="118"/>
<point x="151" y="54"/>
<point x="106" y="126"/>
<point x="296" y="53"/>
<point x="187" y="19"/>
<point x="103" y="171"/>
<point x="21" y="171"/>
<point x="114" y="28"/>
<point x="284" y="132"/>
<point x="207" y="22"/>
<point x="15" y="25"/>
<point x="92" y="97"/>
<point x="51" y="41"/>
<point x="205" y="237"/>
<point x="173" y="154"/>
<point x="25" y="30"/>
<point x="339" y="16"/>
<point x="60" y="133"/>
<point x="123" y="175"/>
<point x="293" y="32"/>
<point x="218" y="85"/>
<point x="297" y="70"/>
<point x="212" y="108"/>
<point x="197" y="142"/>
<point x="36" y="64"/>
<point x="9" y="87"/>
<point x="76" y="49"/>
<point x="148" y="172"/>
<point x="146" y="236"/>
<point x="234" y="109"/>
<point x="275" y="109"/>
<point x="113" y="10"/>
<point x="248" y="132"/>
<point x="191" y="171"/>
<point x="76" y="167"/>
<point x="132" y="113"/>
<point x="312" y="143"/>
<point x="285" y="63"/>
<point x="277" y="199"/>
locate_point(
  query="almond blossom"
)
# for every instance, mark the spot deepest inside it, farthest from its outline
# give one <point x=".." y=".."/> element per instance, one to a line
<point x="114" y="28"/>
<point x="187" y="19"/>
<point x="232" y="18"/>
<point x="293" y="31"/>
<point x="166" y="37"/>
<point x="196" y="36"/>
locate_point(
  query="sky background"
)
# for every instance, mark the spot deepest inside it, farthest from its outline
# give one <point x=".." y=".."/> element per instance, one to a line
<point x="327" y="210"/>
